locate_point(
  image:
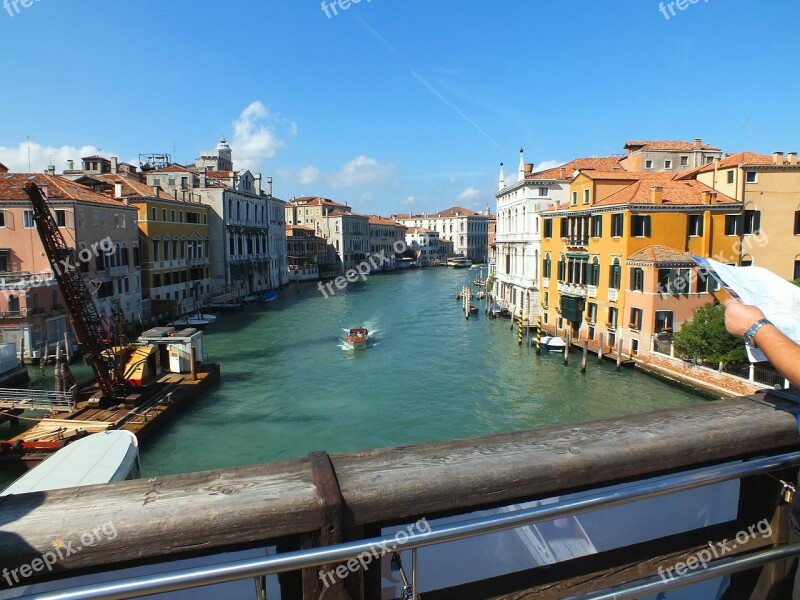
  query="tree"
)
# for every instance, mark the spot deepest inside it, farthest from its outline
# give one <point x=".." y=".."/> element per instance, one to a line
<point x="705" y="337"/>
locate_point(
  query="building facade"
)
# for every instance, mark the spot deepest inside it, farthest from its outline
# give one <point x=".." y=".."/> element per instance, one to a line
<point x="348" y="236"/>
<point x="104" y="236"/>
<point x="424" y="243"/>
<point x="650" y="156"/>
<point x="467" y="229"/>
<point x="384" y="236"/>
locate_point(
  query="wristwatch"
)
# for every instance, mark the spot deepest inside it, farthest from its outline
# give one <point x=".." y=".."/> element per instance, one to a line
<point x="750" y="334"/>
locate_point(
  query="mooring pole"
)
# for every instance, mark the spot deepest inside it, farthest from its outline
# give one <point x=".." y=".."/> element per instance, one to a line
<point x="566" y="347"/>
<point x="519" y="329"/>
<point x="600" y="348"/>
<point x="585" y="355"/>
<point x="539" y="335"/>
<point x="619" y="353"/>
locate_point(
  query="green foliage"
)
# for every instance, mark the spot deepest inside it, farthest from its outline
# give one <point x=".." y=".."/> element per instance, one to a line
<point x="705" y="337"/>
<point x="796" y="282"/>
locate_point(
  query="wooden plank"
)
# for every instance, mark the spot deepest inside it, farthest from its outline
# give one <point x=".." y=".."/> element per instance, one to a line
<point x="208" y="512"/>
<point x="439" y="479"/>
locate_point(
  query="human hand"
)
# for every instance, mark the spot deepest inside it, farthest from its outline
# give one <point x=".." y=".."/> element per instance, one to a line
<point x="740" y="317"/>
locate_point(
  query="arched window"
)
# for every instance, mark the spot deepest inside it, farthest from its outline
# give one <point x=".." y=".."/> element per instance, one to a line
<point x="615" y="275"/>
<point x="13" y="304"/>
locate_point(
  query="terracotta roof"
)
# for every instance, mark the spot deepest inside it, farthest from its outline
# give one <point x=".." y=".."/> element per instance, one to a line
<point x="93" y="156"/>
<point x="300" y="228"/>
<point x="131" y="186"/>
<point x="741" y="158"/>
<point x="58" y="188"/>
<point x="675" y="192"/>
<point x="344" y="213"/>
<point x="420" y="230"/>
<point x="375" y="220"/>
<point x="314" y="201"/>
<point x="3" y="168"/>
<point x="655" y="255"/>
<point x="647" y="145"/>
<point x="564" y="172"/>
<point x="455" y="211"/>
<point x="173" y="168"/>
<point x="220" y="174"/>
<point x="614" y="175"/>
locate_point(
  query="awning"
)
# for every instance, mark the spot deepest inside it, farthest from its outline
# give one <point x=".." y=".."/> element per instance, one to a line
<point x="572" y="308"/>
<point x="577" y="255"/>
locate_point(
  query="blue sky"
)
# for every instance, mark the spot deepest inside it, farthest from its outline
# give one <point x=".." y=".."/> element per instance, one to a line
<point x="393" y="105"/>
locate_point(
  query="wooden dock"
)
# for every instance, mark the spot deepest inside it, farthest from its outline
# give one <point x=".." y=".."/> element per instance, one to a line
<point x="142" y="413"/>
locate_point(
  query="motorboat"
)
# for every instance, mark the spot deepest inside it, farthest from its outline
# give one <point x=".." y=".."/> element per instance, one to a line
<point x="357" y="338"/>
<point x="552" y="343"/>
<point x="460" y="262"/>
<point x="473" y="310"/>
<point x="196" y="320"/>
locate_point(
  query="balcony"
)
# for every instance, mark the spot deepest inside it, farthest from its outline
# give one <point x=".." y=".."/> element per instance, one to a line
<point x="120" y="271"/>
<point x="613" y="294"/>
<point x="545" y="282"/>
<point x="591" y="291"/>
<point x="198" y="261"/>
<point x="576" y="241"/>
<point x="572" y="289"/>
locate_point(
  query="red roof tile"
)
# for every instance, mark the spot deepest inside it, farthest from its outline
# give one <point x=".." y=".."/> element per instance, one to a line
<point x="675" y="192"/>
<point x="656" y="254"/>
<point x="58" y="188"/>
<point x="647" y="145"/>
<point x="564" y="172"/>
<point x="376" y="220"/>
<point x="131" y="186"/>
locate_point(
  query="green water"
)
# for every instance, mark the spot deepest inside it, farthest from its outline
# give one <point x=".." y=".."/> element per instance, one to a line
<point x="289" y="388"/>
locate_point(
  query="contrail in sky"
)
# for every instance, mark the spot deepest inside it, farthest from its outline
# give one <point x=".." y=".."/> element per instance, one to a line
<point x="425" y="83"/>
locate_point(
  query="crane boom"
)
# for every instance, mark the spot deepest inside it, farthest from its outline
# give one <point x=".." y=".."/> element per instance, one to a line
<point x="84" y="315"/>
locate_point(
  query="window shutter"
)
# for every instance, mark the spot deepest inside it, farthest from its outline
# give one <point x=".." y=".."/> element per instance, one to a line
<point x="739" y="224"/>
<point x="646" y="226"/>
<point x="756" y="221"/>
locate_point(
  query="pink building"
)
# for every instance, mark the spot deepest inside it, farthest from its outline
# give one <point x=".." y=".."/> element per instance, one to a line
<point x="104" y="236"/>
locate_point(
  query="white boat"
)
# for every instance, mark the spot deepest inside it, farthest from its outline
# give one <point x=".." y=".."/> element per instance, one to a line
<point x="98" y="458"/>
<point x="460" y="262"/>
<point x="552" y="343"/>
<point x="197" y="320"/>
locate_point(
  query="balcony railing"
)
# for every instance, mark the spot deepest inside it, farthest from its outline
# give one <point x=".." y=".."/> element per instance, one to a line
<point x="591" y="291"/>
<point x="120" y="271"/>
<point x="613" y="294"/>
<point x="574" y="289"/>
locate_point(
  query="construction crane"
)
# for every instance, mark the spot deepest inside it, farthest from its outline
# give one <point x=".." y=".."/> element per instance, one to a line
<point x="85" y="318"/>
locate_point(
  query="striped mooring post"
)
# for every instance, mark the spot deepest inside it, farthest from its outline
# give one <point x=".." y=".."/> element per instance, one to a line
<point x="519" y="329"/>
<point x="539" y="334"/>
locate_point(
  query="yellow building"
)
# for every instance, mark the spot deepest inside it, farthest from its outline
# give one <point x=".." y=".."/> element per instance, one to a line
<point x="614" y="259"/>
<point x="769" y="187"/>
<point x="174" y="237"/>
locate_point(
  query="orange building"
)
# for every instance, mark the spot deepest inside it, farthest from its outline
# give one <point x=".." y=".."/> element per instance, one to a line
<point x="614" y="257"/>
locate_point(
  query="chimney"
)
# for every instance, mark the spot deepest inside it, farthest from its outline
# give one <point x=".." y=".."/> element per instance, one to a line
<point x="205" y="177"/>
<point x="269" y="186"/>
<point x="656" y="194"/>
<point x="698" y="143"/>
<point x="792" y="158"/>
<point x="117" y="190"/>
<point x="127" y="201"/>
<point x="71" y="165"/>
<point x="777" y="158"/>
<point x="155" y="191"/>
<point x="114" y="164"/>
<point x="716" y="163"/>
<point x="528" y="168"/>
<point x="51" y="169"/>
<point x="706" y="197"/>
<point x="563" y="173"/>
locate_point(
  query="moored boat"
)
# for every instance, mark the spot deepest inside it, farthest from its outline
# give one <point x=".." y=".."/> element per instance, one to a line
<point x="552" y="343"/>
<point x="460" y="262"/>
<point x="357" y="338"/>
<point x="473" y="310"/>
<point x="196" y="320"/>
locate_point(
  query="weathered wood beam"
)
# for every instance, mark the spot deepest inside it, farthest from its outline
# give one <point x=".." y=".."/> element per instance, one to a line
<point x="218" y="510"/>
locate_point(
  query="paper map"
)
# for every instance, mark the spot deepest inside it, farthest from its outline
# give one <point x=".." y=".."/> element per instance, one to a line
<point x="777" y="298"/>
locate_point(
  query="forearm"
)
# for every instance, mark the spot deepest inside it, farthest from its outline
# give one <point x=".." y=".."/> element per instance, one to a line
<point x="782" y="352"/>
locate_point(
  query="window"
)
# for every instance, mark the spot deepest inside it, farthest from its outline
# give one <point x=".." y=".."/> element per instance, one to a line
<point x="547" y="267"/>
<point x="796" y="270"/>
<point x="752" y="222"/>
<point x="546" y="299"/>
<point x="695" y="225"/>
<point x="615" y="275"/>
<point x="586" y="196"/>
<point x="593" y="273"/>
<point x="592" y="312"/>
<point x="153" y="214"/>
<point x="164" y="214"/>
<point x="796" y="221"/>
<point x="617" y="224"/>
<point x="172" y="214"/>
<point x="730" y="177"/>
<point x="640" y="225"/>
<point x="637" y="279"/>
<point x="667" y="164"/>
<point x="684" y="161"/>
<point x="192" y="217"/>
<point x="734" y="224"/>
<point x="663" y="321"/>
<point x="155" y="250"/>
<point x="565" y="226"/>
<point x="4" y="261"/>
<point x="597" y="226"/>
<point x="3" y="218"/>
<point x="562" y="269"/>
<point x="636" y="318"/>
<point x="648" y="164"/>
<point x="612" y="316"/>
<point x="634" y="347"/>
<point x="27" y="219"/>
<point x="548" y="227"/>
<point x="543" y="191"/>
<point x="574" y="198"/>
<point x="702" y="282"/>
<point x="751" y="177"/>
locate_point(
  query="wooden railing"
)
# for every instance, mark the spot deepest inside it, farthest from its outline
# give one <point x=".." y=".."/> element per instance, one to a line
<point x="297" y="503"/>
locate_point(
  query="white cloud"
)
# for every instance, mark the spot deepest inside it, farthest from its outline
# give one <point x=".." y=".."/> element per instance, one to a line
<point x="308" y="175"/>
<point x="409" y="200"/>
<point x="362" y="170"/>
<point x="469" y="194"/>
<point x="254" y="137"/>
<point x="16" y="159"/>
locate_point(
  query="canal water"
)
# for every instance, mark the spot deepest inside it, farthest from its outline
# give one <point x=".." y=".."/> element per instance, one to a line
<point x="289" y="386"/>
